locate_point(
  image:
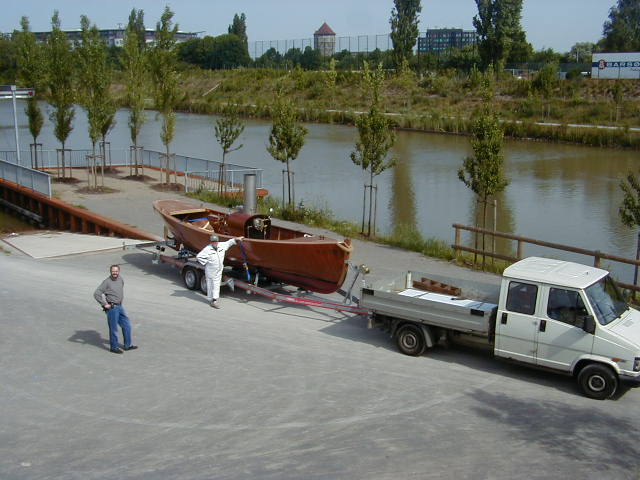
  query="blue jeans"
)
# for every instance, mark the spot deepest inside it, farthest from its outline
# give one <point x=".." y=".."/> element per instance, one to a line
<point x="117" y="316"/>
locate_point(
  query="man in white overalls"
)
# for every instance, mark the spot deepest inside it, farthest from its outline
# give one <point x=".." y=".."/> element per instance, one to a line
<point x="212" y="257"/>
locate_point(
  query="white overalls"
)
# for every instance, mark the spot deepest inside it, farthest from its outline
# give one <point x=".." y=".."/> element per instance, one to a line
<point x="213" y="260"/>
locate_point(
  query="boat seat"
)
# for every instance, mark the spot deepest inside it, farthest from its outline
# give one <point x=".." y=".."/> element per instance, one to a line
<point x="217" y="224"/>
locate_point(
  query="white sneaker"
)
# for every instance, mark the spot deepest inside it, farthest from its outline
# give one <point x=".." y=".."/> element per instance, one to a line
<point x="215" y="304"/>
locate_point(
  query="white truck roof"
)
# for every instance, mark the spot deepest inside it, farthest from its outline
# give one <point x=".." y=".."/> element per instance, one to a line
<point x="554" y="272"/>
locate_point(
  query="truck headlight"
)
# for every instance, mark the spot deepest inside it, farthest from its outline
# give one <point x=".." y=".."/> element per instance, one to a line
<point x="636" y="364"/>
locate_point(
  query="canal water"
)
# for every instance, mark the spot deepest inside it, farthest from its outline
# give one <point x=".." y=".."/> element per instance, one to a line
<point x="557" y="193"/>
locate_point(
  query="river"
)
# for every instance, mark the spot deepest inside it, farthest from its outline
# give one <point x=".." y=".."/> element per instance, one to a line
<point x="558" y="193"/>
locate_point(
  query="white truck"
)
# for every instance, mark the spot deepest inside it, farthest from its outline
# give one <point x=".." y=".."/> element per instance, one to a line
<point x="556" y="315"/>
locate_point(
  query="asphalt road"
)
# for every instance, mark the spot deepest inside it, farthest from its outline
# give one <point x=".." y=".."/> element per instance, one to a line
<point x="258" y="390"/>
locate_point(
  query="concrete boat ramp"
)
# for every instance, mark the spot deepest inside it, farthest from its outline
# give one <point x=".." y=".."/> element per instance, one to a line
<point x="60" y="244"/>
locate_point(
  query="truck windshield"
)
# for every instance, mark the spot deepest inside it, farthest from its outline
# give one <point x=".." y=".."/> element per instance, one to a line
<point x="606" y="300"/>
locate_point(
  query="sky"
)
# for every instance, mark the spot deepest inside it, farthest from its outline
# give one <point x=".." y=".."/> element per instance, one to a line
<point x="556" y="24"/>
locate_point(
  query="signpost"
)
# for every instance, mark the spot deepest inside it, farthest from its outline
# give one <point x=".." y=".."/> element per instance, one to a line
<point x="10" y="91"/>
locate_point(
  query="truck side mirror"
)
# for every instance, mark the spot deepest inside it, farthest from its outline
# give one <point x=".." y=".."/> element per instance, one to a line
<point x="587" y="323"/>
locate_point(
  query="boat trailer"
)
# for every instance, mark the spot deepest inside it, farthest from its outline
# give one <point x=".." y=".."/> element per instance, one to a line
<point x="193" y="275"/>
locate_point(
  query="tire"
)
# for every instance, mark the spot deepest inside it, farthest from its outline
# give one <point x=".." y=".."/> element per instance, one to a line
<point x="203" y="283"/>
<point x="598" y="381"/>
<point x="191" y="278"/>
<point x="410" y="340"/>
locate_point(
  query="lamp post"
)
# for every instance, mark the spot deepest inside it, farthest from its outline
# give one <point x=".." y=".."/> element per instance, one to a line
<point x="10" y="91"/>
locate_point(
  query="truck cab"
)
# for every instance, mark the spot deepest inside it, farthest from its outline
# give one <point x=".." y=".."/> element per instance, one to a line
<point x="569" y="318"/>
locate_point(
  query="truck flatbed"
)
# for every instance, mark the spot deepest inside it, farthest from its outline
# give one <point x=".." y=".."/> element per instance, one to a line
<point x="400" y="299"/>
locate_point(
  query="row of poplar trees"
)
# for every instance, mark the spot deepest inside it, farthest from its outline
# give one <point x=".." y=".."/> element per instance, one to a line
<point x="67" y="75"/>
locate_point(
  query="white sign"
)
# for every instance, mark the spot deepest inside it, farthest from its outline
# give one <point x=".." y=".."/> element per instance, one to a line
<point x="615" y="65"/>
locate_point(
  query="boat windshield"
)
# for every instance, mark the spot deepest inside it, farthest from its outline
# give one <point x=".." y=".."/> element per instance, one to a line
<point x="606" y="300"/>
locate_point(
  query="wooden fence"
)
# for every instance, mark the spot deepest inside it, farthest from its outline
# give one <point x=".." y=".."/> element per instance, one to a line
<point x="597" y="255"/>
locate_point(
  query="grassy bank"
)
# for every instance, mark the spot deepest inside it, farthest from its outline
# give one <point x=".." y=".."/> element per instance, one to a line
<point x="405" y="237"/>
<point x="438" y="103"/>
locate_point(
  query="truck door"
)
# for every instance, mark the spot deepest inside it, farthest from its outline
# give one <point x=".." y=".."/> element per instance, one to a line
<point x="516" y="325"/>
<point x="560" y="342"/>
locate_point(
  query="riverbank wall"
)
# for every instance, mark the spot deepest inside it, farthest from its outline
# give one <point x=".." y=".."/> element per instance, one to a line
<point x="57" y="214"/>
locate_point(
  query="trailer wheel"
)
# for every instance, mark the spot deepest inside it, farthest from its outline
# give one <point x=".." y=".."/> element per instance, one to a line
<point x="598" y="381"/>
<point x="410" y="340"/>
<point x="190" y="277"/>
<point x="203" y="283"/>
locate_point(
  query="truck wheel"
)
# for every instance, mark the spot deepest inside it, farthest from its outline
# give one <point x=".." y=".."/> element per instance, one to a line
<point x="203" y="283"/>
<point x="191" y="278"/>
<point x="410" y="340"/>
<point x="598" y="381"/>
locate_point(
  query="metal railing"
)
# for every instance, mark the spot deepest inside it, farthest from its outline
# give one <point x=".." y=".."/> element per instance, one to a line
<point x="199" y="173"/>
<point x="210" y="181"/>
<point x="26" y="177"/>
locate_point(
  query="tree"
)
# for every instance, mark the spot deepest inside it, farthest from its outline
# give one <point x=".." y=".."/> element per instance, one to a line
<point x="497" y="25"/>
<point x="375" y="137"/>
<point x="520" y="50"/>
<point x="581" y="52"/>
<point x="329" y="78"/>
<point x="311" y="59"/>
<point x="404" y="29"/>
<point x="545" y="81"/>
<point x="136" y="25"/>
<point x="136" y="78"/>
<point x="95" y="81"/>
<point x="286" y="139"/>
<point x="227" y="130"/>
<point x="228" y="51"/>
<point x="60" y="76"/>
<point x="292" y="58"/>
<point x="239" y="28"/>
<point x="629" y="210"/>
<point x="269" y="59"/>
<point x="31" y="73"/>
<point x="165" y="81"/>
<point x="483" y="171"/>
<point x="8" y="60"/>
<point x="622" y="31"/>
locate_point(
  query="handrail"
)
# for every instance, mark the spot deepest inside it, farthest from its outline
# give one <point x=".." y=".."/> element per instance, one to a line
<point x="26" y="177"/>
<point x="597" y="255"/>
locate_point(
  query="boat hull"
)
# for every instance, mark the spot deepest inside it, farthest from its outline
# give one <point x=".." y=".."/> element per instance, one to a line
<point x="293" y="257"/>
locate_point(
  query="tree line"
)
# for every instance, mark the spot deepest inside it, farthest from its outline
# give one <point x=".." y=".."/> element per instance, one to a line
<point x="502" y="41"/>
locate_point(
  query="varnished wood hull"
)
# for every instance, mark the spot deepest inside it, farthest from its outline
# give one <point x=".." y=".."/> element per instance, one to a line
<point x="314" y="263"/>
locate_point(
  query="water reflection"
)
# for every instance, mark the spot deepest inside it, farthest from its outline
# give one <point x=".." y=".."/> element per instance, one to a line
<point x="503" y="223"/>
<point x="402" y="204"/>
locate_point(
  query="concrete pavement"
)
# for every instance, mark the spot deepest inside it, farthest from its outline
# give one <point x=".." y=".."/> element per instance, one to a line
<point x="259" y="390"/>
<point x="266" y="391"/>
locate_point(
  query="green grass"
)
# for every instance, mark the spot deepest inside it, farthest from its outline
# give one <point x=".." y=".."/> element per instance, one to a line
<point x="405" y="237"/>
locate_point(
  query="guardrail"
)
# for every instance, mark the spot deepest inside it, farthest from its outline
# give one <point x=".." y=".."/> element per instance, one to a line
<point x="233" y="179"/>
<point x="199" y="173"/>
<point x="26" y="177"/>
<point x="597" y="255"/>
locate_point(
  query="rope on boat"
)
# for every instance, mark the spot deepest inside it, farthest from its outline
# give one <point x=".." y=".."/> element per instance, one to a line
<point x="245" y="261"/>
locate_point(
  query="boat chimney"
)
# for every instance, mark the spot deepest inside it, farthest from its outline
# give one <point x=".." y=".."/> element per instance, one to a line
<point x="249" y="193"/>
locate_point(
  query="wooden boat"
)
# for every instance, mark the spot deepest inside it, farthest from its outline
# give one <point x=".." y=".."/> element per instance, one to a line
<point x="311" y="262"/>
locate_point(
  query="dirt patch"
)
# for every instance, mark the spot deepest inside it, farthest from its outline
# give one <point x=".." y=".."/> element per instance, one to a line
<point x="139" y="178"/>
<point x="168" y="187"/>
<point x="96" y="190"/>
<point x="67" y="180"/>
